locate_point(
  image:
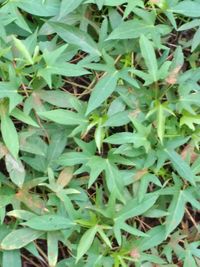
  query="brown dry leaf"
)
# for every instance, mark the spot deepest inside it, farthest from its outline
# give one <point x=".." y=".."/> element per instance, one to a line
<point x="139" y="174"/>
<point x="135" y="254"/>
<point x="172" y="78"/>
<point x="189" y="150"/>
<point x="65" y="176"/>
<point x="33" y="202"/>
<point x="135" y="113"/>
<point x="154" y="1"/>
<point x="37" y="102"/>
<point x="3" y="150"/>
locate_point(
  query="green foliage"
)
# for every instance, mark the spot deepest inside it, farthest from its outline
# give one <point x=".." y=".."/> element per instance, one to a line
<point x="100" y="133"/>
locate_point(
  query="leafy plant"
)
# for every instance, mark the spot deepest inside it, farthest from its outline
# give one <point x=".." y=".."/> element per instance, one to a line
<point x="100" y="133"/>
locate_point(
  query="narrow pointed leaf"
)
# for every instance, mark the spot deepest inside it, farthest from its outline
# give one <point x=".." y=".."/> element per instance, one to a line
<point x="62" y="116"/>
<point x="49" y="223"/>
<point x="181" y="166"/>
<point x="10" y="135"/>
<point x="103" y="89"/>
<point x="19" y="238"/>
<point x="176" y="212"/>
<point x="86" y="242"/>
<point x="73" y="35"/>
<point x="149" y="56"/>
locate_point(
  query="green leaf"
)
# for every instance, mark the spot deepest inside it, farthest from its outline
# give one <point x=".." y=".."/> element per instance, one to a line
<point x="117" y="119"/>
<point x="129" y="138"/>
<point x="86" y="242"/>
<point x="73" y="35"/>
<point x="176" y="212"/>
<point x="67" y="6"/>
<point x="19" y="238"/>
<point x="64" y="117"/>
<point x="114" y="180"/>
<point x="15" y="169"/>
<point x="9" y="90"/>
<point x="160" y="122"/>
<point x="134" y="207"/>
<point x="149" y="56"/>
<point x="189" y="120"/>
<point x="99" y="135"/>
<point x="187" y="8"/>
<point x="60" y="99"/>
<point x="23" y="50"/>
<point x="21" y="116"/>
<point x="104" y="237"/>
<point x="196" y="39"/>
<point x="47" y="8"/>
<point x="155" y="237"/>
<point x="73" y="158"/>
<point x="122" y="138"/>
<point x="103" y="89"/>
<point x="9" y="135"/>
<point x="97" y="165"/>
<point x="49" y="223"/>
<point x="181" y="166"/>
<point x="52" y="245"/>
<point x="11" y="259"/>
<point x="56" y="64"/>
<point x="130" y="29"/>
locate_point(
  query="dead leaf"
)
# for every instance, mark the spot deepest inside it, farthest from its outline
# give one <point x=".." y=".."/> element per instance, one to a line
<point x="33" y="202"/>
<point x="135" y="254"/>
<point x="189" y="150"/>
<point x="65" y="176"/>
<point x="139" y="174"/>
<point x="172" y="78"/>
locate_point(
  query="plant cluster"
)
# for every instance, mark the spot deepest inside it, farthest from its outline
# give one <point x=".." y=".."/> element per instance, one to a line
<point x="100" y="133"/>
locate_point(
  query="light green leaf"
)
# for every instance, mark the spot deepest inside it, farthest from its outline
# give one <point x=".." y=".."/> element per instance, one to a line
<point x="181" y="166"/>
<point x="118" y="119"/>
<point x="176" y="212"/>
<point x="21" y="214"/>
<point x="103" y="89"/>
<point x="60" y="99"/>
<point x="52" y="245"/>
<point x="21" y="116"/>
<point x="149" y="56"/>
<point x="73" y="35"/>
<point x="23" y="50"/>
<point x="9" y="90"/>
<point x="86" y="242"/>
<point x="187" y="8"/>
<point x="160" y="122"/>
<point x="15" y="169"/>
<point x="130" y="29"/>
<point x="10" y="135"/>
<point x="73" y="158"/>
<point x="11" y="258"/>
<point x="134" y="207"/>
<point x="43" y="8"/>
<point x="49" y="223"/>
<point x="155" y="237"/>
<point x="104" y="237"/>
<point x="64" y="117"/>
<point x="189" y="120"/>
<point x="97" y="165"/>
<point x="196" y="39"/>
<point x="114" y="180"/>
<point x="19" y="238"/>
<point x="122" y="138"/>
<point x="67" y="6"/>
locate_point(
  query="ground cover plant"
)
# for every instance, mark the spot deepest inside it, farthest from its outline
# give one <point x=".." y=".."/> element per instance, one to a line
<point x="100" y="133"/>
